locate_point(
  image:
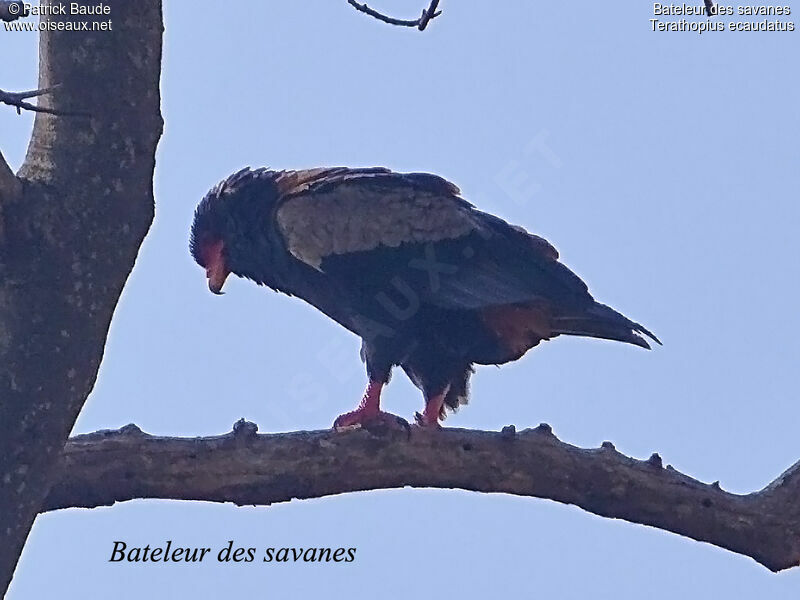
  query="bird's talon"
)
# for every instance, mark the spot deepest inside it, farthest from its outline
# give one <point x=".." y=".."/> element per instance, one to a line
<point x="422" y="422"/>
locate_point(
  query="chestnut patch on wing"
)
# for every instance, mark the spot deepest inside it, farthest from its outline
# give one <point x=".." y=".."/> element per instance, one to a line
<point x="518" y="327"/>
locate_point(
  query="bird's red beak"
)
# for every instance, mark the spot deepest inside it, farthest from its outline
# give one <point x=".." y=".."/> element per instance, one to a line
<point x="216" y="270"/>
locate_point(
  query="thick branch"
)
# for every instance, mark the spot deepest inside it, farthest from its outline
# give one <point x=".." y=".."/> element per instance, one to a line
<point x="246" y="468"/>
<point x="427" y="15"/>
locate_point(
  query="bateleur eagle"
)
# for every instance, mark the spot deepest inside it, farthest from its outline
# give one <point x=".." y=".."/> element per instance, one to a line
<point x="426" y="280"/>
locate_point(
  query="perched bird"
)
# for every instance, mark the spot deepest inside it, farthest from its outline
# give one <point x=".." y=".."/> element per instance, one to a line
<point x="429" y="283"/>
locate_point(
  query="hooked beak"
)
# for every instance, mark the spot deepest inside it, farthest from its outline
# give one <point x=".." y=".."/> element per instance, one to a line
<point x="216" y="271"/>
<point x="216" y="279"/>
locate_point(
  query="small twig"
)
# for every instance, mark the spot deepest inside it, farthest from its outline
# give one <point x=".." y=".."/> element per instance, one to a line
<point x="17" y="100"/>
<point x="427" y="15"/>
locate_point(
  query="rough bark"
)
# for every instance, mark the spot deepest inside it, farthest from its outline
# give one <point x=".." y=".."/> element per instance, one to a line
<point x="247" y="468"/>
<point x="83" y="204"/>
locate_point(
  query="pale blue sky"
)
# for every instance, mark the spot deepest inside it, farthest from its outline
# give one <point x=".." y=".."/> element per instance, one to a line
<point x="668" y="182"/>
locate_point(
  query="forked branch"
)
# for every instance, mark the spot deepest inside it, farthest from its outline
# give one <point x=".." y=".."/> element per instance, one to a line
<point x="427" y="15"/>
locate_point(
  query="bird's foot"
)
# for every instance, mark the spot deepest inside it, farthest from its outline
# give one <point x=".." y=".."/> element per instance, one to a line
<point x="424" y="422"/>
<point x="434" y="411"/>
<point x="369" y="419"/>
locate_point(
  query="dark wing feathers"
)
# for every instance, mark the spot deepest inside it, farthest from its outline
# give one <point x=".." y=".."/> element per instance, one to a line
<point x="372" y="230"/>
<point x="505" y="264"/>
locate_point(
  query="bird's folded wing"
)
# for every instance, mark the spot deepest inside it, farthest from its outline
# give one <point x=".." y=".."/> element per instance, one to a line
<point x="327" y="212"/>
<point x="374" y="230"/>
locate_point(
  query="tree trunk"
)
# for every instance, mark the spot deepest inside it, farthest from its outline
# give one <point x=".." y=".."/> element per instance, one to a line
<point x="73" y="221"/>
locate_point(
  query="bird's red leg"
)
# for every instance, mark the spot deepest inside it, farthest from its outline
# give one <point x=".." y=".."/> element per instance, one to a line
<point x="369" y="411"/>
<point x="433" y="411"/>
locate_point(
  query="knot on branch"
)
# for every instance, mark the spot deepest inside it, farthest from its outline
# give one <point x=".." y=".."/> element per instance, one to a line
<point x="244" y="429"/>
<point x="655" y="460"/>
<point x="131" y="429"/>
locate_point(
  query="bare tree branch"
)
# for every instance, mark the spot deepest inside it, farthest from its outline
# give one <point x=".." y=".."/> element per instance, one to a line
<point x="246" y="468"/>
<point x="17" y="100"/>
<point x="427" y="15"/>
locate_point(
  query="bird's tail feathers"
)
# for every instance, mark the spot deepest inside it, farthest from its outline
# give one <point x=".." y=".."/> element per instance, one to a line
<point x="601" y="321"/>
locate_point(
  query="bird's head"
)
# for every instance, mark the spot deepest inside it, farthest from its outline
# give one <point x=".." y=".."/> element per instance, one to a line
<point x="228" y="230"/>
<point x="208" y="242"/>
